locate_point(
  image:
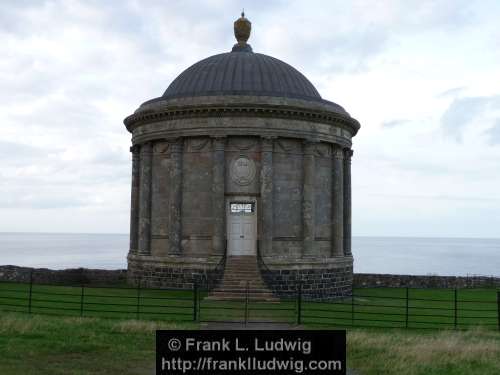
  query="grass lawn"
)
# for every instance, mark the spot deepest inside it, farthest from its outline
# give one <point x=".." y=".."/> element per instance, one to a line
<point x="43" y="345"/>
<point x="370" y="307"/>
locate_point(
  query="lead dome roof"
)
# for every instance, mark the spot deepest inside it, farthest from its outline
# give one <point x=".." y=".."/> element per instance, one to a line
<point x="242" y="72"/>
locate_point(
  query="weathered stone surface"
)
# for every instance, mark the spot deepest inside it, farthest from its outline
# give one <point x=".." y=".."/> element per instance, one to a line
<point x="75" y="277"/>
<point x="266" y="196"/>
<point x="347" y="202"/>
<point x="424" y="281"/>
<point x="218" y="198"/>
<point x="145" y="199"/>
<point x="175" y="221"/>
<point x="308" y="198"/>
<point x="338" y="203"/>
<point x="134" y="200"/>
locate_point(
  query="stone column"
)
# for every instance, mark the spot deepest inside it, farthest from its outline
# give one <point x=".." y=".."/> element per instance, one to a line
<point x="337" y="202"/>
<point x="144" y="247"/>
<point x="175" y="229"/>
<point x="266" y="196"/>
<point x="219" y="210"/>
<point x="308" y="207"/>
<point x="347" y="202"/>
<point x="134" y="200"/>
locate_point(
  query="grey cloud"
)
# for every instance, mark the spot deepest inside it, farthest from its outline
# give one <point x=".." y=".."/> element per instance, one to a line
<point x="462" y="111"/>
<point x="451" y="93"/>
<point x="494" y="133"/>
<point x="437" y="197"/>
<point x="394" y="123"/>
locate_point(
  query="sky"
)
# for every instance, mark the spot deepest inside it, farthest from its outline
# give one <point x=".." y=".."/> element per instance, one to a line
<point x="422" y="78"/>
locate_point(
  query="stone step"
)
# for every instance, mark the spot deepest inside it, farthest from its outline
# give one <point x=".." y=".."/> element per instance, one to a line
<point x="239" y="272"/>
<point x="242" y="283"/>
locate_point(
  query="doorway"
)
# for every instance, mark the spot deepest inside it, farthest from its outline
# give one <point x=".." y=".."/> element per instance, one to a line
<point x="241" y="219"/>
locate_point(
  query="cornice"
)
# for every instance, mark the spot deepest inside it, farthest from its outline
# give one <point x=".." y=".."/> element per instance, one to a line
<point x="243" y="110"/>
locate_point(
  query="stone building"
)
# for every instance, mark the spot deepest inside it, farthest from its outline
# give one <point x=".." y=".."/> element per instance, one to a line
<point x="241" y="173"/>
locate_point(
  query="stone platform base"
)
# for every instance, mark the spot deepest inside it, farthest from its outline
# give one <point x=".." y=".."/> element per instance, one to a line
<point x="321" y="279"/>
<point x="174" y="272"/>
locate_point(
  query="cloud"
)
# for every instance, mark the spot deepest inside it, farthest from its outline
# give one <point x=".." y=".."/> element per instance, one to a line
<point x="451" y="93"/>
<point x="394" y="123"/>
<point x="71" y="70"/>
<point x="467" y="111"/>
<point x="494" y="133"/>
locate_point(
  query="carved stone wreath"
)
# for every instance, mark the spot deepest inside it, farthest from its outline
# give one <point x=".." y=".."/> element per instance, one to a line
<point x="242" y="170"/>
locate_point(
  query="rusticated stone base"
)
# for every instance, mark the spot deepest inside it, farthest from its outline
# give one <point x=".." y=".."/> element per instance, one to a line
<point x="174" y="272"/>
<point x="324" y="279"/>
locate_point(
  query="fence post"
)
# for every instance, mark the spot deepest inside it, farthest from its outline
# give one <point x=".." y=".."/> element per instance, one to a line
<point x="455" y="308"/>
<point x="407" y="306"/>
<point x="246" y="303"/>
<point x="498" y="309"/>
<point x="299" y="304"/>
<point x="138" y="310"/>
<point x="195" y="301"/>
<point x="31" y="291"/>
<point x="81" y="300"/>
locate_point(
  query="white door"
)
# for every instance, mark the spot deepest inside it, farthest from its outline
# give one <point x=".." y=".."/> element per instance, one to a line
<point x="241" y="226"/>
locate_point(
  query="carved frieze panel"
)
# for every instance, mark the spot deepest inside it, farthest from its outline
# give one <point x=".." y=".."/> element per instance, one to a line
<point x="288" y="145"/>
<point x="198" y="144"/>
<point x="161" y="148"/>
<point x="323" y="150"/>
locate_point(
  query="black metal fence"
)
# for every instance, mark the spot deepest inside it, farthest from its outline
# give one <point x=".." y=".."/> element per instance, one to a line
<point x="368" y="307"/>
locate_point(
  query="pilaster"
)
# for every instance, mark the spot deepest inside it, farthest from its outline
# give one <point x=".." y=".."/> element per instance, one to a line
<point x="175" y="219"/>
<point x="347" y="202"/>
<point x="266" y="195"/>
<point x="308" y="204"/>
<point x="219" y="211"/>
<point x="144" y="241"/>
<point x="337" y="202"/>
<point x="134" y="199"/>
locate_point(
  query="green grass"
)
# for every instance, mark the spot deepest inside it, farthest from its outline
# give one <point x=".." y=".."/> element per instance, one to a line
<point x="55" y="345"/>
<point x="370" y="307"/>
<point x="50" y="345"/>
<point x="475" y="351"/>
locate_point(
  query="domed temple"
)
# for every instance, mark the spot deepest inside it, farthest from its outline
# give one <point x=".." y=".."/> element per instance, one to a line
<point x="241" y="173"/>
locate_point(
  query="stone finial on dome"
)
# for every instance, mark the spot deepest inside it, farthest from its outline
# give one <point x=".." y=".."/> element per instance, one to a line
<point x="242" y="28"/>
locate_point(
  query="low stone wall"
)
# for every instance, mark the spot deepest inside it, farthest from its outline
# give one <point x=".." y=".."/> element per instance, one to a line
<point x="283" y="282"/>
<point x="423" y="281"/>
<point x="75" y="276"/>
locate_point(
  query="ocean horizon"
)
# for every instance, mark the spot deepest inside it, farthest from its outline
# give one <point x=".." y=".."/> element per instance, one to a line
<point x="392" y="255"/>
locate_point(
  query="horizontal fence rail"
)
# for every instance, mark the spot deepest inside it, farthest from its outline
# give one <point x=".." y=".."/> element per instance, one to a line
<point x="366" y="307"/>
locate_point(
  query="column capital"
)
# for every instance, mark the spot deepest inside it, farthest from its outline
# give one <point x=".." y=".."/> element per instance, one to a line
<point x="348" y="153"/>
<point x="267" y="143"/>
<point x="338" y="152"/>
<point x="219" y="142"/>
<point x="310" y="146"/>
<point x="135" y="149"/>
<point x="147" y="147"/>
<point x="176" y="144"/>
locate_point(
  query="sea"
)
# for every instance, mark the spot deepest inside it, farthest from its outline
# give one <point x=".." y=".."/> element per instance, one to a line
<point x="393" y="255"/>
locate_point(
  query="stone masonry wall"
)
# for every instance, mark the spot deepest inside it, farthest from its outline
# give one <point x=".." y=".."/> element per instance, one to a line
<point x="172" y="276"/>
<point x="414" y="281"/>
<point x="317" y="284"/>
<point x="76" y="276"/>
